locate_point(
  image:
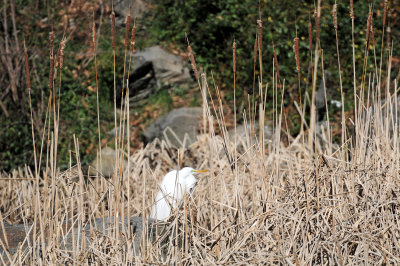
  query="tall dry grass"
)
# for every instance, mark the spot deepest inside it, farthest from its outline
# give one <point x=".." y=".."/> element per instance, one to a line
<point x="262" y="202"/>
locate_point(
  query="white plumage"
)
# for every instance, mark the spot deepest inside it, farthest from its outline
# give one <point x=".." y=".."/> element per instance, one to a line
<point x="172" y="190"/>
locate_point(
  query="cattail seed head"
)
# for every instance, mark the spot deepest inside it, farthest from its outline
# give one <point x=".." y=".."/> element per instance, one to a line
<point x="368" y="31"/>
<point x="113" y="29"/>
<point x="297" y="54"/>
<point x="334" y="15"/>
<point x="58" y="56"/>
<point x="255" y="50"/>
<point x="127" y="22"/>
<point x="371" y="31"/>
<point x="310" y="35"/>
<point x="28" y="79"/>
<point x="94" y="35"/>
<point x="259" y="23"/>
<point x="351" y="9"/>
<point x="384" y="12"/>
<point x="51" y="37"/>
<point x="133" y="37"/>
<point x="62" y="47"/>
<point x="316" y="17"/>
<point x="234" y="56"/>
<point x="51" y="74"/>
<point x="388" y="37"/>
<point x="277" y="66"/>
<point x="191" y="56"/>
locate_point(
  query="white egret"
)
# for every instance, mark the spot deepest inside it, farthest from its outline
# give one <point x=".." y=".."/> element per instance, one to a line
<point x="172" y="190"/>
<point x="175" y="185"/>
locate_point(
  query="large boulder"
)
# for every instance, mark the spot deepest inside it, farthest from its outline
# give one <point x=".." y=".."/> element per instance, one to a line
<point x="175" y="126"/>
<point x="107" y="163"/>
<point x="153" y="68"/>
<point x="168" y="68"/>
<point x="134" y="8"/>
<point x="18" y="234"/>
<point x="245" y="134"/>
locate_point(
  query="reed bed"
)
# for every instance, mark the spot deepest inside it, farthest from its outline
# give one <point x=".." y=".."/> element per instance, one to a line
<point x="307" y="202"/>
<point x="295" y="207"/>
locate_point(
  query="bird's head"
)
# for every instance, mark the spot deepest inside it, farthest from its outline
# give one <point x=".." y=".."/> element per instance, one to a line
<point x="172" y="191"/>
<point x="187" y="178"/>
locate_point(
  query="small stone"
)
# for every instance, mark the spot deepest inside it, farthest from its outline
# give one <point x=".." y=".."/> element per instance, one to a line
<point x="175" y="126"/>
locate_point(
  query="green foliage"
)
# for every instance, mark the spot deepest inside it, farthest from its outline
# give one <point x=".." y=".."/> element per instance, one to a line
<point x="15" y="144"/>
<point x="162" y="100"/>
<point x="212" y="26"/>
<point x="78" y="104"/>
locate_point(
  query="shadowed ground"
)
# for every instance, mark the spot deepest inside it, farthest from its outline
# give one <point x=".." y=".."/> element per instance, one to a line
<point x="17" y="234"/>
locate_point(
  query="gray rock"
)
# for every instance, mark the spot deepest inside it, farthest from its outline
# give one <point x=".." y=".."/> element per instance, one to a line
<point x="153" y="68"/>
<point x="143" y="81"/>
<point x="244" y="131"/>
<point x="244" y="134"/>
<point x="175" y="125"/>
<point x="101" y="226"/>
<point x="134" y="8"/>
<point x="320" y="95"/>
<point x="17" y="234"/>
<point x="168" y="68"/>
<point x="383" y="115"/>
<point x="107" y="163"/>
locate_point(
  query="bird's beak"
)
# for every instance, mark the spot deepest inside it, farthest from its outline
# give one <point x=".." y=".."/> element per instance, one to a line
<point x="200" y="171"/>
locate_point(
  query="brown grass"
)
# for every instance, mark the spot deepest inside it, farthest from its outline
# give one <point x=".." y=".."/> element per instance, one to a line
<point x="326" y="221"/>
<point x="281" y="204"/>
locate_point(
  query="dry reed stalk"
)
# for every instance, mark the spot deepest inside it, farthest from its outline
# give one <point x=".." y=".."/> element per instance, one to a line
<point x="193" y="62"/>
<point x="28" y="85"/>
<point x="343" y="126"/>
<point x="312" y="132"/>
<point x="58" y="65"/>
<point x="385" y="4"/>
<point x="255" y="50"/>
<point x="126" y="45"/>
<point x="51" y="75"/>
<point x="234" y="56"/>
<point x="132" y="43"/>
<point x="122" y="118"/>
<point x="354" y="75"/>
<point x="253" y="105"/>
<point x="127" y="22"/>
<point x="115" y="179"/>
<point x="234" y="97"/>
<point x="133" y="38"/>
<point x="316" y="18"/>
<point x="94" y="44"/>
<point x="368" y="30"/>
<point x="259" y="25"/>
<point x="113" y="29"/>
<point x="312" y="105"/>
<point x="60" y="54"/>
<point x="297" y="54"/>
<point x="371" y="29"/>
<point x="334" y="16"/>
<point x="351" y="10"/>
<point x="276" y="65"/>
<point x="310" y="39"/>
<point x="384" y="13"/>
<point x="366" y="49"/>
